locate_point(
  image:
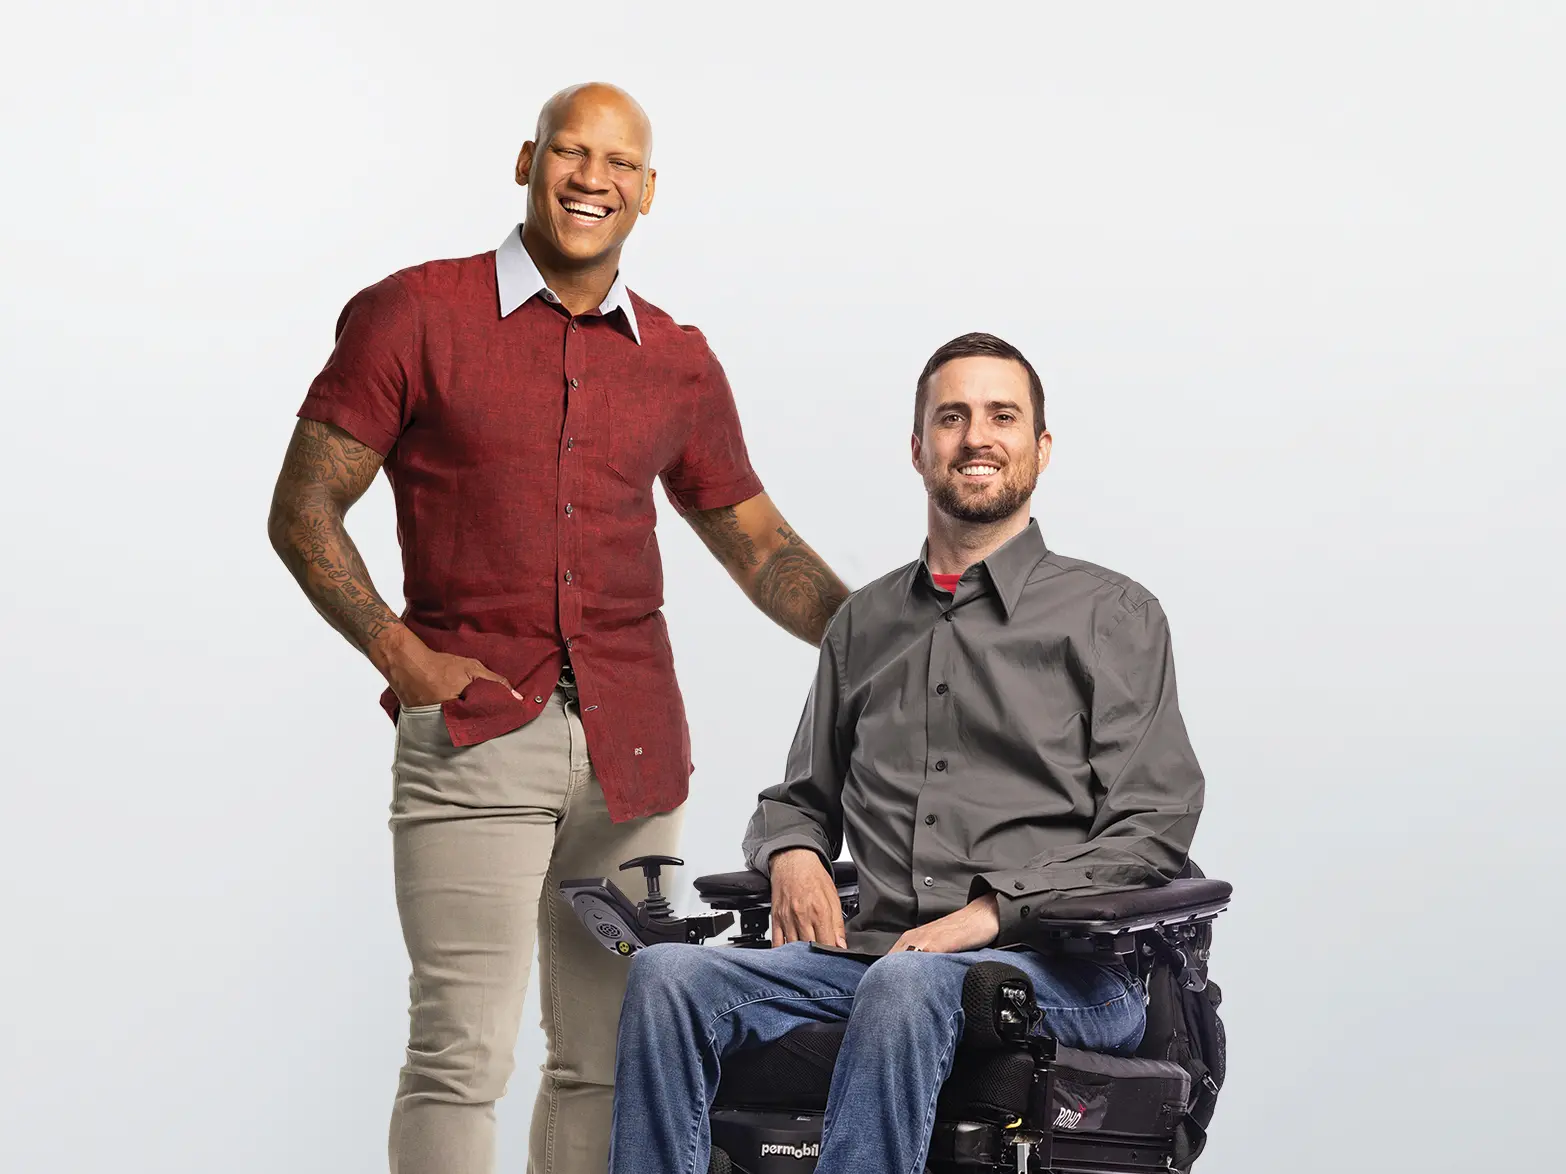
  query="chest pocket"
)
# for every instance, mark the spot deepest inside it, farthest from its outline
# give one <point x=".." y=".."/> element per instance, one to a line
<point x="642" y="434"/>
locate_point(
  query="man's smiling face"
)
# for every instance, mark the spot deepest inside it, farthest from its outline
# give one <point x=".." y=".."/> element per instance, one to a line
<point x="978" y="453"/>
<point x="587" y="174"/>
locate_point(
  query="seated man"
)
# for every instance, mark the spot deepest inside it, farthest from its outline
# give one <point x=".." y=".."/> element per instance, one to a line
<point x="991" y="727"/>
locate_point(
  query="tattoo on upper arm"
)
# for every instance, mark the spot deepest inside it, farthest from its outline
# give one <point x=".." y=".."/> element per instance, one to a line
<point x="327" y="457"/>
<point x="721" y="531"/>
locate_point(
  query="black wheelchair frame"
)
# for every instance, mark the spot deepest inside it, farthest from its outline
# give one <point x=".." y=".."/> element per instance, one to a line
<point x="1015" y="1100"/>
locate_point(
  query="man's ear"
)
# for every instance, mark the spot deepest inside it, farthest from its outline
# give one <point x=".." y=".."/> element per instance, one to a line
<point x="1046" y="446"/>
<point x="918" y="453"/>
<point x="647" y="193"/>
<point x="525" y="163"/>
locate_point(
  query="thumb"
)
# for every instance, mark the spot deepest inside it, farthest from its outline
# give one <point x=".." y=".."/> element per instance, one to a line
<point x="481" y="670"/>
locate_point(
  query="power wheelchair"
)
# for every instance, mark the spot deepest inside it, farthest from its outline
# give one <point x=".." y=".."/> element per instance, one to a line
<point x="1015" y="1099"/>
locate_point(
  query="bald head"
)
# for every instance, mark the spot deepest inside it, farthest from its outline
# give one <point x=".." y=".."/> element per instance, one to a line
<point x="598" y="97"/>
<point x="589" y="177"/>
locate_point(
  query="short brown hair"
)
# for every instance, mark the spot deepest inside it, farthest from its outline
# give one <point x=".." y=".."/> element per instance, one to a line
<point x="968" y="346"/>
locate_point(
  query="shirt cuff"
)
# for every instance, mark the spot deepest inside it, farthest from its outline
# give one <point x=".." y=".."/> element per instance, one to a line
<point x="762" y="858"/>
<point x="717" y="497"/>
<point x="359" y="427"/>
<point x="1021" y="893"/>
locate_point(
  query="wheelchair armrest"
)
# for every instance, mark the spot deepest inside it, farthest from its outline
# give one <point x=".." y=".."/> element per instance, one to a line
<point x="748" y="888"/>
<point x="1111" y="916"/>
<point x="1146" y="908"/>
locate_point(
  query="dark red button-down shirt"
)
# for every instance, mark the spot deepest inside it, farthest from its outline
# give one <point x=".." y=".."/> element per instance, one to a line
<point x="522" y="452"/>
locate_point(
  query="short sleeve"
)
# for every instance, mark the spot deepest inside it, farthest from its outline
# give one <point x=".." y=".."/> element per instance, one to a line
<point x="713" y="469"/>
<point x="364" y="387"/>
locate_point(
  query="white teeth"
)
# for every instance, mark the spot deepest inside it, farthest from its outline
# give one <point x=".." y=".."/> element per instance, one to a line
<point x="978" y="471"/>
<point x="580" y="209"/>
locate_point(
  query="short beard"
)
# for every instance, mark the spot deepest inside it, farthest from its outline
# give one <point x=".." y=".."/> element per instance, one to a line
<point x="1013" y="497"/>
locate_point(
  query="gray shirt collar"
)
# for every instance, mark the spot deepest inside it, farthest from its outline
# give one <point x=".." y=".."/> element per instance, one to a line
<point x="1009" y="567"/>
<point x="518" y="279"/>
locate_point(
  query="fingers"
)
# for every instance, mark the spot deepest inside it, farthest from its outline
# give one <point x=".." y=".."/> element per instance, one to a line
<point x="481" y="671"/>
<point x="810" y="923"/>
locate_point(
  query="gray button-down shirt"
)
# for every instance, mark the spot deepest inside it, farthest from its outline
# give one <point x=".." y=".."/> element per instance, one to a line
<point x="1021" y="737"/>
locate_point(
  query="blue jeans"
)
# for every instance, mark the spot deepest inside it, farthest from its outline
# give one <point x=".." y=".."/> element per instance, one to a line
<point x="686" y="1007"/>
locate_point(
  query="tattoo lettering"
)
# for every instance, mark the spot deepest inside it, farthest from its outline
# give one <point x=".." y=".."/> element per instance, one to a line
<point x="720" y="530"/>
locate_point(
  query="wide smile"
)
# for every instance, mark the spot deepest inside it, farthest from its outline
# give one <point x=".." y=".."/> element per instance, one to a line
<point x="977" y="470"/>
<point x="585" y="212"/>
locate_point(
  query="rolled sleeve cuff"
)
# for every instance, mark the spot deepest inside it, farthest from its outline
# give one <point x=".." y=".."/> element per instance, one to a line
<point x="1021" y="893"/>
<point x="358" y="426"/>
<point x="761" y="859"/>
<point x="717" y="497"/>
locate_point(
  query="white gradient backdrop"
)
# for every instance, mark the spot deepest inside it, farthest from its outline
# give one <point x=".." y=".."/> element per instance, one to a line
<point x="1294" y="282"/>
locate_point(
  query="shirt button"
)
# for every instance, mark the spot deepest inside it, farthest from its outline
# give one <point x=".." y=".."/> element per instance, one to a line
<point x="940" y="764"/>
<point x="568" y="576"/>
<point x="1016" y="884"/>
<point x="538" y="701"/>
<point x="928" y="881"/>
<point x="941" y="688"/>
<point x="1025" y="910"/>
<point x="570" y="443"/>
<point x="568" y="641"/>
<point x="929" y="819"/>
<point x="568" y="509"/>
<point x="948" y="617"/>
<point x="573" y="383"/>
<point x="573" y="325"/>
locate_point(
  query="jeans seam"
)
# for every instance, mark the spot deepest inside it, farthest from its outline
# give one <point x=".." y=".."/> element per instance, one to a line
<point x="551" y="1127"/>
<point x="555" y="1004"/>
<point x="763" y="998"/>
<point x="929" y="1113"/>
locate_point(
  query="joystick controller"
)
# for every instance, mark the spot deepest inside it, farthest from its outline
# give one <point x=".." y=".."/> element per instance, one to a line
<point x="656" y="905"/>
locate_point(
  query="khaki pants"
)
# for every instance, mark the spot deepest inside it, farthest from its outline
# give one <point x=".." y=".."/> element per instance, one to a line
<point x="482" y="837"/>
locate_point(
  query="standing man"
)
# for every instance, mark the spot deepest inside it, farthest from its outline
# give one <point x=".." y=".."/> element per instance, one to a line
<point x="523" y="402"/>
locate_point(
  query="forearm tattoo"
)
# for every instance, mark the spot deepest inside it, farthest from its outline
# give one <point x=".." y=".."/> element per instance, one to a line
<point x="324" y="472"/>
<point x="797" y="589"/>
<point x="720" y="529"/>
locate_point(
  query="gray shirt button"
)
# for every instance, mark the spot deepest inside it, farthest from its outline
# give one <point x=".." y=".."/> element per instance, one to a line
<point x="929" y="819"/>
<point x="941" y="764"/>
<point x="928" y="881"/>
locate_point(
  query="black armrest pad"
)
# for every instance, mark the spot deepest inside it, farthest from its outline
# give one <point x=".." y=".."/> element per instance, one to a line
<point x="748" y="883"/>
<point x="1175" y="898"/>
